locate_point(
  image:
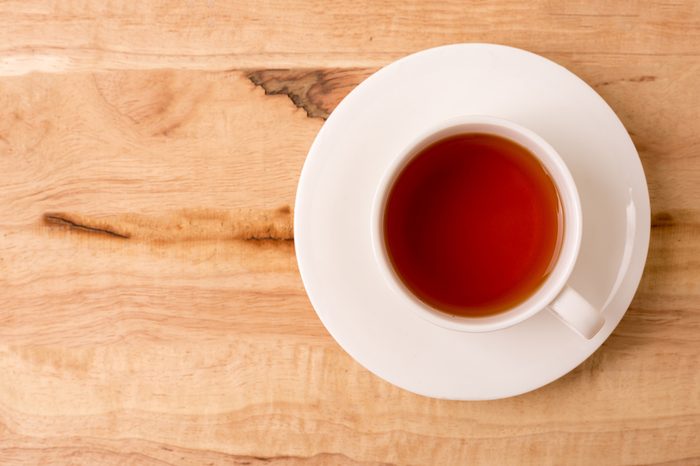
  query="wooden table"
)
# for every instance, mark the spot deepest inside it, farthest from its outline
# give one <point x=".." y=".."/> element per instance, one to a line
<point x="151" y="308"/>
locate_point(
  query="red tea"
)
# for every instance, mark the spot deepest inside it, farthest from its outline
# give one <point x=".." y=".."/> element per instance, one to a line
<point x="473" y="224"/>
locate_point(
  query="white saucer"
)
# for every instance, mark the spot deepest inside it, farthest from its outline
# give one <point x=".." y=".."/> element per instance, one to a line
<point x="369" y="128"/>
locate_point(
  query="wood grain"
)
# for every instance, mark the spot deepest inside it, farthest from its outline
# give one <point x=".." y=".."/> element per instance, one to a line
<point x="152" y="311"/>
<point x="209" y="34"/>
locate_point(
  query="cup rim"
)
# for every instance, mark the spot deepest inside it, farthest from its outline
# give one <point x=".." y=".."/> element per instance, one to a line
<point x="571" y="205"/>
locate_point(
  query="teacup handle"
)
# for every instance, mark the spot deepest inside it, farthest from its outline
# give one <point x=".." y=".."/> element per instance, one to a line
<point x="577" y="313"/>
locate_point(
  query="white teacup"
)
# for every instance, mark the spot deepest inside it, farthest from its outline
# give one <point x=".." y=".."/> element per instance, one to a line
<point x="554" y="294"/>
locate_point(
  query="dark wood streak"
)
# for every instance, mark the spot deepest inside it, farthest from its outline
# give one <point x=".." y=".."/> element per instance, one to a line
<point x="66" y="221"/>
<point x="268" y="238"/>
<point x="106" y="452"/>
<point x="662" y="219"/>
<point x="256" y="225"/>
<point x="636" y="79"/>
<point x="317" y="92"/>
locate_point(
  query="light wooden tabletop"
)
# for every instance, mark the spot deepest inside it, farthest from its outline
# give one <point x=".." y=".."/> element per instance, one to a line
<point x="151" y="310"/>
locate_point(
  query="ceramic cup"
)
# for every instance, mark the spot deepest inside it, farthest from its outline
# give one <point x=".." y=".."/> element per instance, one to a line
<point x="554" y="294"/>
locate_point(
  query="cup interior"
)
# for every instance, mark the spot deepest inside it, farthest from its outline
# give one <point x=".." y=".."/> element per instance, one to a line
<point x="571" y="236"/>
